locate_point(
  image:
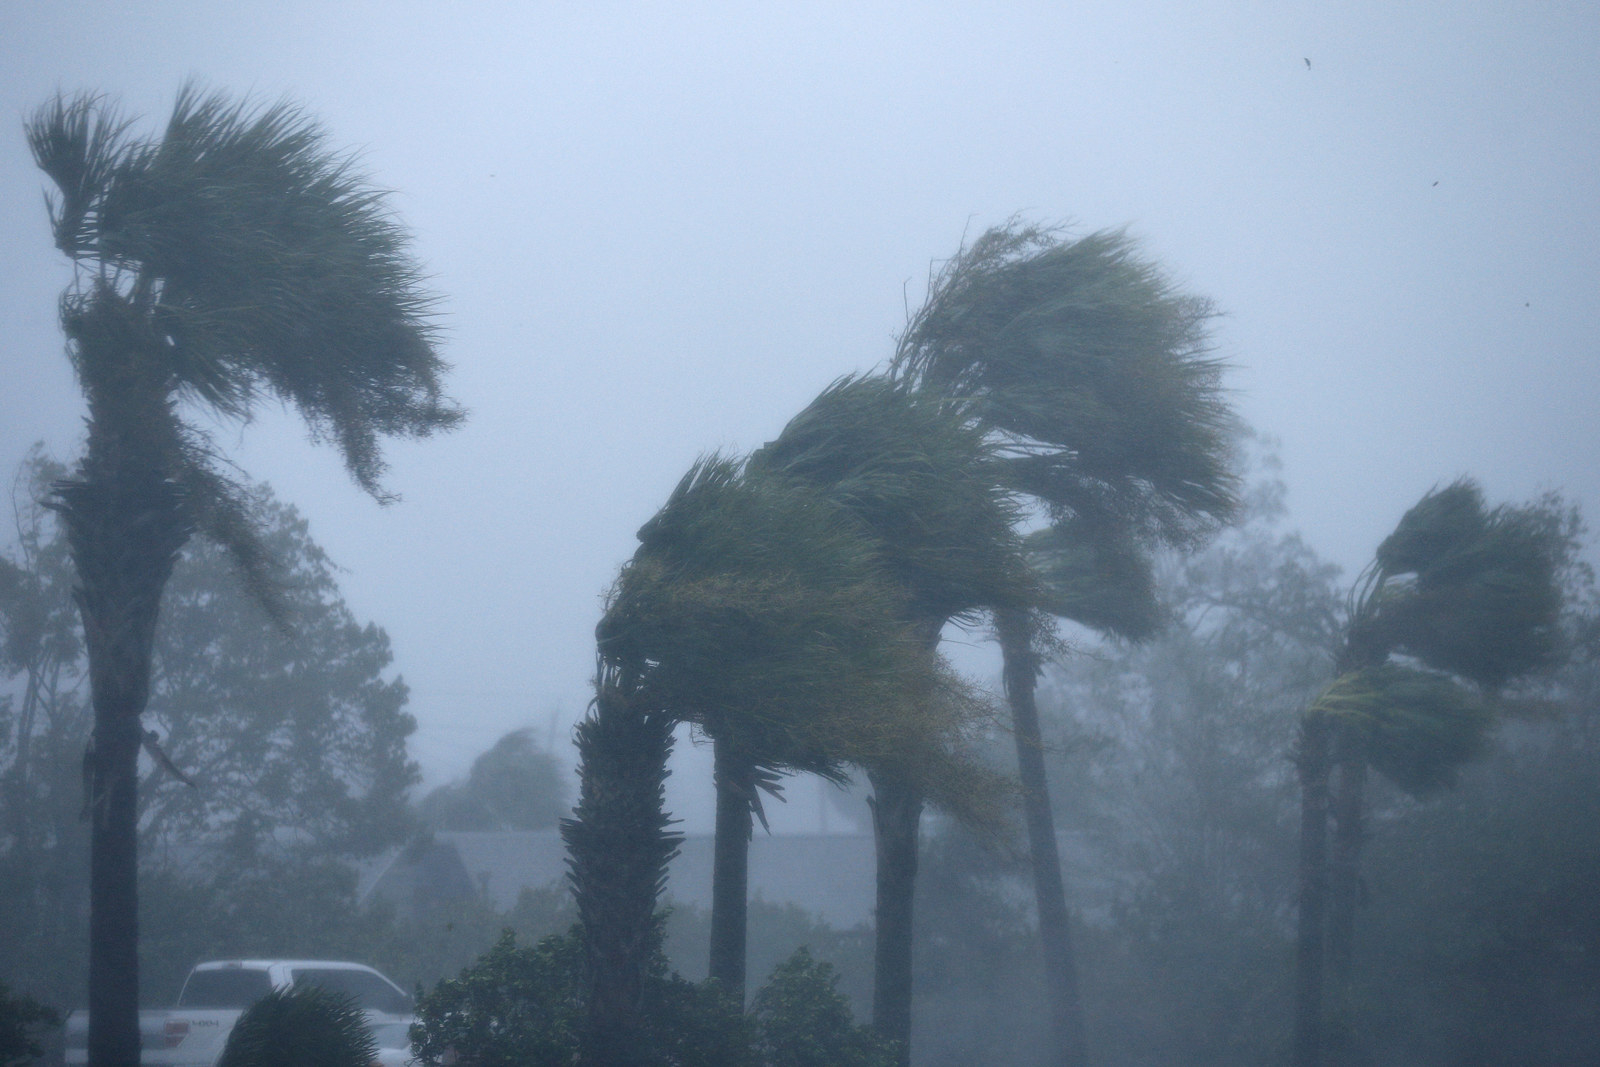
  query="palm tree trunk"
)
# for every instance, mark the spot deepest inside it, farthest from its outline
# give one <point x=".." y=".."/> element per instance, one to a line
<point x="125" y="525"/>
<point x="730" y="870"/>
<point x="113" y="891"/>
<point x="618" y="850"/>
<point x="1344" y="884"/>
<point x="1055" y="935"/>
<point x="1313" y="766"/>
<point x="896" y="816"/>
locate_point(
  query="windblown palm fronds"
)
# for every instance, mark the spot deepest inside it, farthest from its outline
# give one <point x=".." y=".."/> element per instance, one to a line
<point x="754" y="606"/>
<point x="1469" y="590"/>
<point x="231" y="259"/>
<point x="924" y="484"/>
<point x="1459" y="600"/>
<point x="1094" y="371"/>
<point x="250" y="261"/>
<point x="1415" y="727"/>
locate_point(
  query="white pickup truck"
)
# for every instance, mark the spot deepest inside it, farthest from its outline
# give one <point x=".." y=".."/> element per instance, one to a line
<point x="215" y="995"/>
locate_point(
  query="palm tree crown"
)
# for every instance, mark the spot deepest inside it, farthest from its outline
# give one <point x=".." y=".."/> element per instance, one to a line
<point x="233" y="258"/>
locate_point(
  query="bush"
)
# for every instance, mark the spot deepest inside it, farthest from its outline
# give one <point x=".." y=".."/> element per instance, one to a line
<point x="514" y="1007"/>
<point x="305" y="1026"/>
<point x="523" y="1007"/>
<point x="804" y="1021"/>
<point x="20" y="1017"/>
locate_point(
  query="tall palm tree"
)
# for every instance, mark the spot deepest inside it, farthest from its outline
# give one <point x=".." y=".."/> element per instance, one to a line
<point x="1468" y="597"/>
<point x="921" y="480"/>
<point x="233" y="258"/>
<point x="754" y="610"/>
<point x="1093" y="378"/>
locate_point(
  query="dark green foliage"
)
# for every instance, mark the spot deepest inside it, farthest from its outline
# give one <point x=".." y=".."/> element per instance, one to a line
<point x="315" y="733"/>
<point x="525" y="1006"/>
<point x="924" y="483"/>
<point x="1092" y="367"/>
<point x="513" y="1007"/>
<point x="262" y="262"/>
<point x="305" y="1026"/>
<point x="1414" y="727"/>
<point x="21" y="1019"/>
<point x="516" y="785"/>
<point x="1103" y="583"/>
<point x="1483" y="595"/>
<point x="754" y="606"/>
<point x="805" y="1022"/>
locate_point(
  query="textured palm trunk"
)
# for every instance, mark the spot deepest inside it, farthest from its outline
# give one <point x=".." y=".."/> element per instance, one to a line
<point x="125" y="524"/>
<point x="896" y="817"/>
<point x="730" y="870"/>
<point x="1313" y="761"/>
<point x="1055" y="934"/>
<point x="618" y="850"/>
<point x="1344" y="890"/>
<point x="124" y="545"/>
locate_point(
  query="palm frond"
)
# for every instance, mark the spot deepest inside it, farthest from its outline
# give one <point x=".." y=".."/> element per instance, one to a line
<point x="922" y="481"/>
<point x="266" y="264"/>
<point x="1416" y="727"/>
<point x="755" y="610"/>
<point x="77" y="141"/>
<point x="1094" y="370"/>
<point x="1468" y="589"/>
<point x="1095" y="576"/>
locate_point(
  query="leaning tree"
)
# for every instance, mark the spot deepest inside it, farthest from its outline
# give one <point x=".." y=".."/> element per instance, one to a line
<point x="1092" y="377"/>
<point x="1458" y="601"/>
<point x="232" y="259"/>
<point x="754" y="610"/>
<point x="922" y="481"/>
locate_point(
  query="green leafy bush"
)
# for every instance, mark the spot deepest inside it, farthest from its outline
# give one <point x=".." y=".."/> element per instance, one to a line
<point x="514" y="1007"/>
<point x="804" y="1021"/>
<point x="523" y="1007"/>
<point x="305" y="1026"/>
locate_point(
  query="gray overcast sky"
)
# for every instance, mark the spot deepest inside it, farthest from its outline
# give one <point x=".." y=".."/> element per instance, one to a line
<point x="661" y="229"/>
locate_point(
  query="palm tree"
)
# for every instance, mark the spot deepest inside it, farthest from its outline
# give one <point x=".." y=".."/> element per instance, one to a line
<point x="233" y="258"/>
<point x="1093" y="378"/>
<point x="1469" y="598"/>
<point x="754" y="610"/>
<point x="922" y="481"/>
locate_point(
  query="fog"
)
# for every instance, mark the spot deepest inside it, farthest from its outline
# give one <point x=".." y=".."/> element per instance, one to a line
<point x="660" y="231"/>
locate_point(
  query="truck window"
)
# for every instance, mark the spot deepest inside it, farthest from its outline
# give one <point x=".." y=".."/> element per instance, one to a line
<point x="228" y="987"/>
<point x="370" y="991"/>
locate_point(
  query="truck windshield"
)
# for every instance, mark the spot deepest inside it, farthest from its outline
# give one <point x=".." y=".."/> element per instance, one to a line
<point x="370" y="991"/>
<point x="228" y="987"/>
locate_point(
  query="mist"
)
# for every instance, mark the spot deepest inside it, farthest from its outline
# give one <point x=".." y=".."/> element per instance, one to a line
<point x="659" y="233"/>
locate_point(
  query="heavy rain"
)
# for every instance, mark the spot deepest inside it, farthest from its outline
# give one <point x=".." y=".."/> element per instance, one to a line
<point x="728" y="534"/>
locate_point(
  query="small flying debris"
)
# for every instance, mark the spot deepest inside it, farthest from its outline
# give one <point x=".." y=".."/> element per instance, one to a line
<point x="1308" y="63"/>
<point x="1436" y="183"/>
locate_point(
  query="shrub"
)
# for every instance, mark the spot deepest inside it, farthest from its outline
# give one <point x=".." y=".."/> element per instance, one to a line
<point x="804" y="1021"/>
<point x="305" y="1026"/>
<point x="514" y="1007"/>
<point x="20" y="1017"/>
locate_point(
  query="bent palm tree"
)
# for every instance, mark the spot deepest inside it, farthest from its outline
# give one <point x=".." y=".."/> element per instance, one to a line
<point x="922" y="483"/>
<point x="754" y="610"/>
<point x="231" y="259"/>
<point x="1094" y="379"/>
<point x="1469" y="597"/>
